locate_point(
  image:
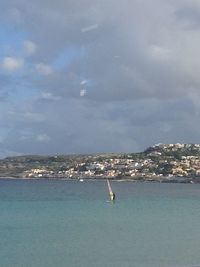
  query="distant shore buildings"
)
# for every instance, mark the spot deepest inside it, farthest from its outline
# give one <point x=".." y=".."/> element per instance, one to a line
<point x="161" y="162"/>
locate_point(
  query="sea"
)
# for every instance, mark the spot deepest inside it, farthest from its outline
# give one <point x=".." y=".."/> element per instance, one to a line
<point x="48" y="223"/>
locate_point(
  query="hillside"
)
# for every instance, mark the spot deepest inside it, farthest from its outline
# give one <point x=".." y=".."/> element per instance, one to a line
<point x="161" y="162"/>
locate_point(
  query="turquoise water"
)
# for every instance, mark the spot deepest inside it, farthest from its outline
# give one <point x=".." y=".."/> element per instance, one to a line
<point x="71" y="224"/>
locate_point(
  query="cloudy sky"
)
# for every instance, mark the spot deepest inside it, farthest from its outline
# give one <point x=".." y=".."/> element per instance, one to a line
<point x="86" y="76"/>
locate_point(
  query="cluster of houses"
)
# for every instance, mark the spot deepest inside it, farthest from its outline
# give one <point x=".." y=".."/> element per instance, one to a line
<point x="156" y="163"/>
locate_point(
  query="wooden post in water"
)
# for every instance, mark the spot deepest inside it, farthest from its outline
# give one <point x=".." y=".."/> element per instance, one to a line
<point x="111" y="193"/>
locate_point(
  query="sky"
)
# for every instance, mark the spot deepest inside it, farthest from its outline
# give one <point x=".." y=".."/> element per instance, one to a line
<point x="93" y="76"/>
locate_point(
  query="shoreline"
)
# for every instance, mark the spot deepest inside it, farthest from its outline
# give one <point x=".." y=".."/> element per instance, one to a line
<point x="180" y="180"/>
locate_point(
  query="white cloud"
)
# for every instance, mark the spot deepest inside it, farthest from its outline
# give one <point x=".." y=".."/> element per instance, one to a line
<point x="49" y="96"/>
<point x="15" y="15"/>
<point x="29" y="47"/>
<point x="33" y="116"/>
<point x="83" y="82"/>
<point x="43" y="69"/>
<point x="90" y="28"/>
<point x="25" y="116"/>
<point x="43" y="138"/>
<point x="12" y="63"/>
<point x="159" y="52"/>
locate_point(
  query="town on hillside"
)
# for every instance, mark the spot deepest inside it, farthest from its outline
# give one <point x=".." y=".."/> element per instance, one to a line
<point x="161" y="162"/>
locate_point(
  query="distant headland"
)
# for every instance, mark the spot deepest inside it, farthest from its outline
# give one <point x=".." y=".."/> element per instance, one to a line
<point x="161" y="162"/>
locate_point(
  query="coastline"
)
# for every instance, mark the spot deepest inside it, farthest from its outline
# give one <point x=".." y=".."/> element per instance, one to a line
<point x="181" y="180"/>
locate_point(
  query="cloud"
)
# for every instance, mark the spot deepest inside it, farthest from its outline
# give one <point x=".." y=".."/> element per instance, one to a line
<point x="30" y="47"/>
<point x="136" y="60"/>
<point x="83" y="82"/>
<point x="90" y="28"/>
<point x="153" y="60"/>
<point x="160" y="53"/>
<point x="33" y="116"/>
<point x="43" y="69"/>
<point x="43" y="138"/>
<point x="12" y="64"/>
<point x="49" y="96"/>
<point x="25" y="116"/>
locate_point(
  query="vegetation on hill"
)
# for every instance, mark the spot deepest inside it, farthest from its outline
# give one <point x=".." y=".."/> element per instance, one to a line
<point x="160" y="162"/>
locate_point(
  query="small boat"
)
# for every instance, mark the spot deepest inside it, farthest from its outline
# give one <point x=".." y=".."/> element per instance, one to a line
<point x="81" y="180"/>
<point x="111" y="193"/>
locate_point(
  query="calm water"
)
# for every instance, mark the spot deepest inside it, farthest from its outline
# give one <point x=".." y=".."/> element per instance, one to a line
<point x="71" y="224"/>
